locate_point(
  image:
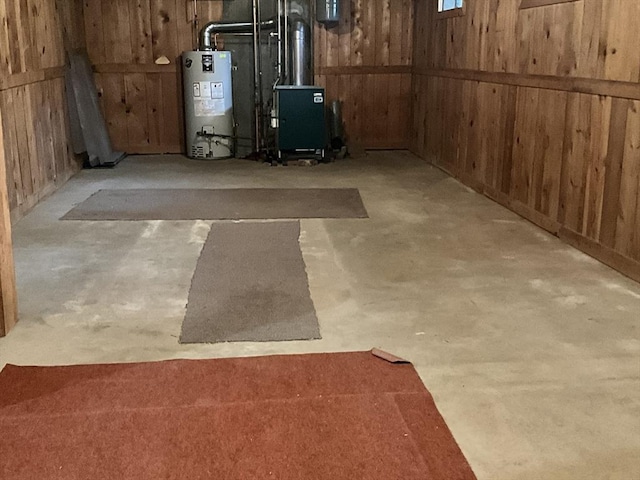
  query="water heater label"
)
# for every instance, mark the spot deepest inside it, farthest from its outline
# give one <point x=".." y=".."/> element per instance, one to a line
<point x="205" y="89"/>
<point x="209" y="108"/>
<point x="217" y="90"/>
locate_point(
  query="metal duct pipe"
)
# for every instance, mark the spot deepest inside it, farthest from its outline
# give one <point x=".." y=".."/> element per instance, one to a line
<point x="300" y="52"/>
<point x="211" y="28"/>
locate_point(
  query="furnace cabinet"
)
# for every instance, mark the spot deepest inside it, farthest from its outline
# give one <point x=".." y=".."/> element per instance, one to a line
<point x="301" y="124"/>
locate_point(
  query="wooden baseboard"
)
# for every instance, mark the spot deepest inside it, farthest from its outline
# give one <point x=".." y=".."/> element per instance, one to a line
<point x="625" y="265"/>
<point x="386" y="145"/>
<point x="525" y="211"/>
<point x="30" y="202"/>
<point x="155" y="149"/>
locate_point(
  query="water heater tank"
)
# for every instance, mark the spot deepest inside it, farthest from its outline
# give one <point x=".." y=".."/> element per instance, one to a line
<point x="208" y="101"/>
<point x="328" y="11"/>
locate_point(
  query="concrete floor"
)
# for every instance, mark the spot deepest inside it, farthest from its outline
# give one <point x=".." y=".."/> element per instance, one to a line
<point x="530" y="348"/>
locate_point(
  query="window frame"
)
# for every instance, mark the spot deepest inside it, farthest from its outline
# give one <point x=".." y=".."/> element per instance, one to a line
<point x="451" y="13"/>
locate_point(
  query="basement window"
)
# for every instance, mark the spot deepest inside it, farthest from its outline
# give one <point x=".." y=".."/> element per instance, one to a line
<point x="450" y="8"/>
<point x="448" y="5"/>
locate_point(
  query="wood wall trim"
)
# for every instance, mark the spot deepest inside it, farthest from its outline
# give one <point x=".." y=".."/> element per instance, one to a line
<point x="542" y="3"/>
<point x="135" y="68"/>
<point x="365" y="70"/>
<point x="28" y="78"/>
<point x="173" y="68"/>
<point x="590" y="86"/>
<point x="538" y="109"/>
<point x="8" y="297"/>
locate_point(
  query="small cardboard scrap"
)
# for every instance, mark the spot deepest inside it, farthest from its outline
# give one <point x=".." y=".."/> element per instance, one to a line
<point x="389" y="357"/>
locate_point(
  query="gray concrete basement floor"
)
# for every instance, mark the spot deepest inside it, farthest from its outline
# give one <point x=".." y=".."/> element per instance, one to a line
<point x="530" y="348"/>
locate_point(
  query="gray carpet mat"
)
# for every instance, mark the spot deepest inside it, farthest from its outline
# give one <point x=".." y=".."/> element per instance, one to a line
<point x="250" y="284"/>
<point x="222" y="204"/>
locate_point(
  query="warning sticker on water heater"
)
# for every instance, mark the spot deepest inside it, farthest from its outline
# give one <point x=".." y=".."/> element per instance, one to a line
<point x="209" y="107"/>
<point x="208" y="89"/>
<point x="217" y="90"/>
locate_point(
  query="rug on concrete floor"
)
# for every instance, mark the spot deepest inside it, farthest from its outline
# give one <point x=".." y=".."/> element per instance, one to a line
<point x="250" y="285"/>
<point x="315" y="417"/>
<point x="225" y="204"/>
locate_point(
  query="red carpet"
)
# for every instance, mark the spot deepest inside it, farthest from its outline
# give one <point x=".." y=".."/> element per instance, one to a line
<point x="346" y="416"/>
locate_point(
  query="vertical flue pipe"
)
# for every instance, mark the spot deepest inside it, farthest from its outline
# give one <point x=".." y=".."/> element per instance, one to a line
<point x="300" y="52"/>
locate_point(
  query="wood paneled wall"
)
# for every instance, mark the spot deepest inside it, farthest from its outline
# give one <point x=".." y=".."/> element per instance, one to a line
<point x="34" y="38"/>
<point x="142" y="101"/>
<point x="539" y="109"/>
<point x="8" y="300"/>
<point x="365" y="61"/>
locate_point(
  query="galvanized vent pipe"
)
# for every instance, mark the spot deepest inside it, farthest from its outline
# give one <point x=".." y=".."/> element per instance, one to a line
<point x="212" y="28"/>
<point x="300" y="52"/>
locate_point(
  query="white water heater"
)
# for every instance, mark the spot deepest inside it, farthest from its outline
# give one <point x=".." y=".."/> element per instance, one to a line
<point x="208" y="99"/>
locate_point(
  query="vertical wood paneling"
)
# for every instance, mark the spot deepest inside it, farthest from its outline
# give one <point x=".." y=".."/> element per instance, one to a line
<point x="35" y="158"/>
<point x="111" y="86"/>
<point x="567" y="160"/>
<point x="619" y="40"/>
<point x="164" y="28"/>
<point x="434" y="123"/>
<point x="356" y="122"/>
<point x="95" y="31"/>
<point x="8" y="300"/>
<point x="141" y="39"/>
<point x="135" y="90"/>
<point x="36" y="141"/>
<point x="368" y="26"/>
<point x="369" y="34"/>
<point x="628" y="224"/>
<point x="143" y="109"/>
<point x="5" y="53"/>
<point x="344" y="37"/>
<point x="376" y="108"/>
